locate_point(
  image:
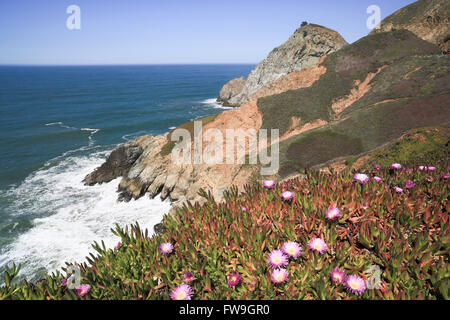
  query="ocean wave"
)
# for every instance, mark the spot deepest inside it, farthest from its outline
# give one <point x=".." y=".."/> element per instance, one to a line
<point x="67" y="216"/>
<point x="215" y="104"/>
<point x="61" y="124"/>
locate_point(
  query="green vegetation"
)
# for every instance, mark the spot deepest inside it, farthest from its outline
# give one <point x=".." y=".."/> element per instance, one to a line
<point x="404" y="234"/>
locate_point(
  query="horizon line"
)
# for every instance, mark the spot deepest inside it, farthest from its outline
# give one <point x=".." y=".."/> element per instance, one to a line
<point x="122" y="64"/>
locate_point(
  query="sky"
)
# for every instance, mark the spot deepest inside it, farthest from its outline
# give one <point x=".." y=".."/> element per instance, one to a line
<point x="169" y="31"/>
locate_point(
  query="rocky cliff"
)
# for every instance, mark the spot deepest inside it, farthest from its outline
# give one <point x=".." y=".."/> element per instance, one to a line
<point x="302" y="50"/>
<point x="427" y="19"/>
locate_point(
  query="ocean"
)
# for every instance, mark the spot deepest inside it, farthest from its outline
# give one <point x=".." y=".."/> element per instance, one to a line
<point x="59" y="123"/>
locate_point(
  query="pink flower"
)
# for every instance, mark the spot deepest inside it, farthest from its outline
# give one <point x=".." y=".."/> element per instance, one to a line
<point x="182" y="292"/>
<point x="422" y="168"/>
<point x="332" y="213"/>
<point x="355" y="284"/>
<point x="277" y="259"/>
<point x="396" y="166"/>
<point x="287" y="195"/>
<point x="166" y="247"/>
<point x="64" y="282"/>
<point x="279" y="276"/>
<point x="317" y="244"/>
<point x="337" y="275"/>
<point x="361" y="178"/>
<point x="234" y="279"/>
<point x="377" y="167"/>
<point x="292" y="249"/>
<point x="83" y="290"/>
<point x="409" y="170"/>
<point x="188" y="277"/>
<point x="118" y="245"/>
<point x="243" y="208"/>
<point x="364" y="206"/>
<point x="377" y="179"/>
<point x="398" y="190"/>
<point x="269" y="184"/>
<point x="431" y="168"/>
<point x="409" y="184"/>
<point x="446" y="175"/>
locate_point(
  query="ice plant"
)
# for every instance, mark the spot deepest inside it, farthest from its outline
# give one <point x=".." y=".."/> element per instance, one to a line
<point x="279" y="276"/>
<point x="409" y="184"/>
<point x="355" y="284"/>
<point x="182" y="292"/>
<point x="377" y="167"/>
<point x="365" y="206"/>
<point x="292" y="249"/>
<point x="422" y="168"/>
<point x="243" y="208"/>
<point x="118" y="245"/>
<point x="188" y="277"/>
<point x="377" y="179"/>
<point x="446" y="175"/>
<point x="234" y="279"/>
<point x="317" y="244"/>
<point x="269" y="184"/>
<point x="398" y="190"/>
<point x="431" y="168"/>
<point x="287" y="195"/>
<point x="332" y="213"/>
<point x="337" y="275"/>
<point x="83" y="290"/>
<point x="361" y="178"/>
<point x="166" y="247"/>
<point x="277" y="259"/>
<point x="64" y="282"/>
<point x="396" y="166"/>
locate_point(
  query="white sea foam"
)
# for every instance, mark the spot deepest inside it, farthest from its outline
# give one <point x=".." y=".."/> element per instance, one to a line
<point x="68" y="216"/>
<point x="61" y="124"/>
<point x="213" y="102"/>
<point x="92" y="132"/>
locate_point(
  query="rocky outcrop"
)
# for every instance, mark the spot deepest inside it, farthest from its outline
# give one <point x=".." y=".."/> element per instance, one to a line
<point x="118" y="164"/>
<point x="427" y="19"/>
<point x="231" y="89"/>
<point x="302" y="50"/>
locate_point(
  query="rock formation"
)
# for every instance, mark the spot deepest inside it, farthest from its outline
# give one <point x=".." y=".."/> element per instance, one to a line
<point x="302" y="50"/>
<point x="427" y="19"/>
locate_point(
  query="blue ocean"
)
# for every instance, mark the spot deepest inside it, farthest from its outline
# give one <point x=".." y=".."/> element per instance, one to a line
<point x="57" y="124"/>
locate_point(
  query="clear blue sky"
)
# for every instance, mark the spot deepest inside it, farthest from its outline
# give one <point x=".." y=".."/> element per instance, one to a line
<point x="169" y="31"/>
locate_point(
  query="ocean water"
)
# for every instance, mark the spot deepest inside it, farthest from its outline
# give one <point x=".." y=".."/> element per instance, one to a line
<point x="57" y="124"/>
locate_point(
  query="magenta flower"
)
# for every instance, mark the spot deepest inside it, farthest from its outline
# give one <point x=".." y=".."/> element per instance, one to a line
<point x="83" y="290"/>
<point x="409" y="170"/>
<point x="188" y="277"/>
<point x="287" y="195"/>
<point x="409" y="184"/>
<point x="64" y="282"/>
<point x="292" y="249"/>
<point x="422" y="168"/>
<point x="332" y="213"/>
<point x="234" y="279"/>
<point x="166" y="247"/>
<point x="317" y="244"/>
<point x="118" y="245"/>
<point x="396" y="166"/>
<point x="446" y="175"/>
<point x="431" y="168"/>
<point x="398" y="190"/>
<point x="277" y="259"/>
<point x="377" y="167"/>
<point x="365" y="206"/>
<point x="361" y="178"/>
<point x="355" y="284"/>
<point x="377" y="179"/>
<point x="269" y="184"/>
<point x="337" y="275"/>
<point x="243" y="208"/>
<point x="279" y="276"/>
<point x="182" y="292"/>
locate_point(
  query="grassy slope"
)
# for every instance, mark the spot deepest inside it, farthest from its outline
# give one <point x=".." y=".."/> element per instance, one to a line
<point x="419" y="99"/>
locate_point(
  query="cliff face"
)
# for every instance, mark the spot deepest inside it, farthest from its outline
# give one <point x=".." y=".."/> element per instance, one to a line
<point x="427" y="19"/>
<point x="302" y="50"/>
